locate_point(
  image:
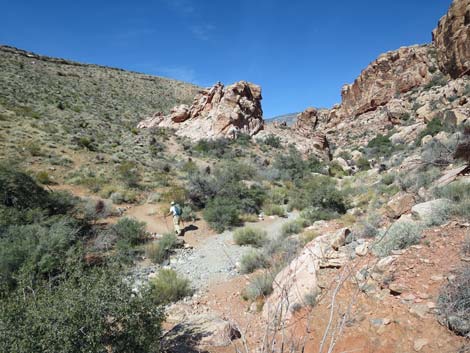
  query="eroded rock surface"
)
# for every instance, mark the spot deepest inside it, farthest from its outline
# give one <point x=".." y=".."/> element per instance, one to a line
<point x="452" y="39"/>
<point x="216" y="112"/>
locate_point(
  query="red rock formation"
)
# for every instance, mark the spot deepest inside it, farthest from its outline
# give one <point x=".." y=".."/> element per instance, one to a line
<point x="452" y="39"/>
<point x="216" y="112"/>
<point x="392" y="73"/>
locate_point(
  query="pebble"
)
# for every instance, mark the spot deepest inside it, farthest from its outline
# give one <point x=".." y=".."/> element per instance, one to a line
<point x="419" y="344"/>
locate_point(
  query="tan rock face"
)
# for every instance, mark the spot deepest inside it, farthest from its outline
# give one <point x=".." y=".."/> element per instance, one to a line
<point x="452" y="39"/>
<point x="216" y="112"/>
<point x="392" y="73"/>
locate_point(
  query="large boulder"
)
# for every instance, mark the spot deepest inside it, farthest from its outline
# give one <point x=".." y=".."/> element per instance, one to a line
<point x="216" y="112"/>
<point x="452" y="39"/>
<point x="428" y="211"/>
<point x="298" y="281"/>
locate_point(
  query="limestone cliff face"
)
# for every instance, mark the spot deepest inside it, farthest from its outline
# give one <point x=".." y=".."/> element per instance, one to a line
<point x="393" y="73"/>
<point x="452" y="39"/>
<point x="216" y="112"/>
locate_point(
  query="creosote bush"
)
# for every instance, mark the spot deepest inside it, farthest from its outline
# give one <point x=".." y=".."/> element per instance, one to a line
<point x="250" y="236"/>
<point x="252" y="261"/>
<point x="169" y="286"/>
<point x="129" y="231"/>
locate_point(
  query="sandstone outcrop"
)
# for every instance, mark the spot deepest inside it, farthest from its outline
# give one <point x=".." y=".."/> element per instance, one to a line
<point x="216" y="112"/>
<point x="452" y="39"/>
<point x="298" y="283"/>
<point x="392" y="73"/>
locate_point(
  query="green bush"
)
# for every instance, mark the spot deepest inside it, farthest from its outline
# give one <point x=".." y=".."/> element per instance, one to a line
<point x="253" y="261"/>
<point x="363" y="164"/>
<point x="260" y="286"/>
<point x="169" y="287"/>
<point x="250" y="236"/>
<point x="388" y="178"/>
<point x="129" y="174"/>
<point x="292" y="227"/>
<point x="381" y="145"/>
<point x="273" y="141"/>
<point x="453" y="303"/>
<point x="459" y="193"/>
<point x="313" y="214"/>
<point x="90" y="312"/>
<point x="159" y="251"/>
<point x="129" y="231"/>
<point x="44" y="178"/>
<point x="433" y="127"/>
<point x="222" y="213"/>
<point x="274" y="210"/>
<point x="291" y="165"/>
<point x="400" y="235"/>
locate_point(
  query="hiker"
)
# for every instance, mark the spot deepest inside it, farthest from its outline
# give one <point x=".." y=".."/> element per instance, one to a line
<point x="176" y="211"/>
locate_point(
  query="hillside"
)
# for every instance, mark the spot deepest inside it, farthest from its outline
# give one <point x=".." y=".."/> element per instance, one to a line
<point x="51" y="104"/>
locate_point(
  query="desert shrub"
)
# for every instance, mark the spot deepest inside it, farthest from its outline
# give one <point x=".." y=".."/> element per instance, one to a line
<point x="459" y="193"/>
<point x="188" y="214"/>
<point x="273" y="141"/>
<point x="129" y="231"/>
<point x="154" y="197"/>
<point x="400" y="235"/>
<point x="159" y="251"/>
<point x="433" y="127"/>
<point x="96" y="209"/>
<point x="422" y="177"/>
<point x="129" y="174"/>
<point x="260" y="286"/>
<point x="336" y="170"/>
<point x="388" y="178"/>
<point x="34" y="148"/>
<point x="367" y="227"/>
<point x="310" y="299"/>
<point x="313" y="214"/>
<point x="292" y="227"/>
<point x="216" y="148"/>
<point x="222" y="213"/>
<point x="380" y="145"/>
<point x="252" y="261"/>
<point x="87" y="143"/>
<point x="274" y="210"/>
<point x="291" y="165"/>
<point x="250" y="236"/>
<point x="201" y="188"/>
<point x="453" y="303"/>
<point x="439" y="214"/>
<point x="91" y="311"/>
<point x="169" y="287"/>
<point x="39" y="250"/>
<point x="318" y="191"/>
<point x="363" y="164"/>
<point x="44" y="178"/>
<point x="307" y="237"/>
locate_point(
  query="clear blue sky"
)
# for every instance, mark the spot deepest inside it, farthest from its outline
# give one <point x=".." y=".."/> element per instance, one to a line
<point x="300" y="52"/>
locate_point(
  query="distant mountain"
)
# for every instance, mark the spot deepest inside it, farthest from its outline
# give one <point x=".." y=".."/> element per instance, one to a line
<point x="290" y="119"/>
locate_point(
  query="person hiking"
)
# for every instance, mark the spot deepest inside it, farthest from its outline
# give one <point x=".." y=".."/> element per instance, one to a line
<point x="176" y="211"/>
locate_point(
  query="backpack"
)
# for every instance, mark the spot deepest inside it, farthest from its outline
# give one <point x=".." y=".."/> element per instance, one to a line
<point x="178" y="210"/>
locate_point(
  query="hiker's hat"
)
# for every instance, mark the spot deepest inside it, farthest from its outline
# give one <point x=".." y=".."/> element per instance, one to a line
<point x="172" y="203"/>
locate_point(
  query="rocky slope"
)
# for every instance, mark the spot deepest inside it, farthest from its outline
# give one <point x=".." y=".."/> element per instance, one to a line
<point x="216" y="112"/>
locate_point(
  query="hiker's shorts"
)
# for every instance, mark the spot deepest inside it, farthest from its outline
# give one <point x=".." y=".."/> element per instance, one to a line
<point x="176" y="223"/>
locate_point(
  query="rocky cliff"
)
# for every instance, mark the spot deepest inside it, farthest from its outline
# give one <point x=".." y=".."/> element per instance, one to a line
<point x="216" y="112"/>
<point x="452" y="39"/>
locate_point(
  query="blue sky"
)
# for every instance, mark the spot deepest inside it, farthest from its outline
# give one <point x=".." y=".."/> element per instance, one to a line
<point x="300" y="52"/>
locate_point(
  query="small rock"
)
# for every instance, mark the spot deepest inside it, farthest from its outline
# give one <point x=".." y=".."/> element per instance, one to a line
<point x="408" y="297"/>
<point x="419" y="344"/>
<point x="384" y="264"/>
<point x="397" y="288"/>
<point x="419" y="310"/>
<point x="362" y="249"/>
<point x="437" y="278"/>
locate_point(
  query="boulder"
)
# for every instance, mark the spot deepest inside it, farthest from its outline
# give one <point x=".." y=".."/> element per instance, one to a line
<point x="339" y="238"/>
<point x="407" y="134"/>
<point x="452" y="39"/>
<point x="399" y="204"/>
<point x="216" y="112"/>
<point x="362" y="249"/>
